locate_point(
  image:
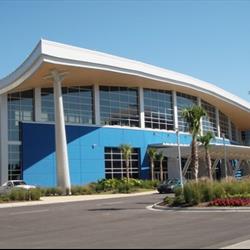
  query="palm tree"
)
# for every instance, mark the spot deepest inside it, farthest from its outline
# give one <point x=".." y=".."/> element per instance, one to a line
<point x="126" y="150"/>
<point x="193" y="117"/>
<point x="152" y="152"/>
<point x="160" y="157"/>
<point x="205" y="141"/>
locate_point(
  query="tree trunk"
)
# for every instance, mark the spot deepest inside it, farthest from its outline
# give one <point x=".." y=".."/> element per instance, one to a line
<point x="127" y="168"/>
<point x="161" y="171"/>
<point x="195" y="160"/>
<point x="209" y="165"/>
<point x="152" y="170"/>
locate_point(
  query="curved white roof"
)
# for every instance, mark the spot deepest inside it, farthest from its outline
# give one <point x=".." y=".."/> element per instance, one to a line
<point x="61" y="54"/>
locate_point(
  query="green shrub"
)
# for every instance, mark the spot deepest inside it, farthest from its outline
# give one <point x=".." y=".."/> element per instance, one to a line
<point x="18" y="194"/>
<point x="4" y="198"/>
<point x="188" y="193"/>
<point x="192" y="194"/>
<point x="206" y="191"/>
<point x="179" y="201"/>
<point x="178" y="192"/>
<point x="124" y="188"/>
<point x="149" y="184"/>
<point x="35" y="194"/>
<point x="218" y="191"/>
<point x="76" y="190"/>
<point x="232" y="187"/>
<point x="168" y="200"/>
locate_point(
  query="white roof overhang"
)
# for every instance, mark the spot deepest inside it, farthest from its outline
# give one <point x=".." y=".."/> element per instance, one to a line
<point x="88" y="67"/>
<point x="233" y="152"/>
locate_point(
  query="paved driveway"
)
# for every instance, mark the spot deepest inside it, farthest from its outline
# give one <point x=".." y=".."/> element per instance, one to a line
<point x="118" y="223"/>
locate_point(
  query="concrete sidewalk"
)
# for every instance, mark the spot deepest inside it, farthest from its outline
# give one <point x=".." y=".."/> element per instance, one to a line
<point x="65" y="199"/>
<point x="241" y="245"/>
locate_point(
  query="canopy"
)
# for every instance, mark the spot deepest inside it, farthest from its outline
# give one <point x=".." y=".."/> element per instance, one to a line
<point x="217" y="151"/>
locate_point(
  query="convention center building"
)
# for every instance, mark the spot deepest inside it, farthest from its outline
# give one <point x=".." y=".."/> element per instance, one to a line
<point x="65" y="112"/>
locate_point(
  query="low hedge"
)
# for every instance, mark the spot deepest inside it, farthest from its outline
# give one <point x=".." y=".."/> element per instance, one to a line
<point x="19" y="194"/>
<point x="106" y="186"/>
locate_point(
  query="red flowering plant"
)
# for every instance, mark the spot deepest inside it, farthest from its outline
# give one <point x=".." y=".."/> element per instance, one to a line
<point x="230" y="202"/>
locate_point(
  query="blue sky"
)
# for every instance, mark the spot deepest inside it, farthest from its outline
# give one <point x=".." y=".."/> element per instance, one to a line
<point x="209" y="40"/>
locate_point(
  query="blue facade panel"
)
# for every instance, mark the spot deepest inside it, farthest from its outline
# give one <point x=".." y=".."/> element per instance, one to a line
<point x="86" y="150"/>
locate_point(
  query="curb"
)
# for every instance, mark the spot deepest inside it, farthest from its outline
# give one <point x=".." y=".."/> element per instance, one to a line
<point x="68" y="199"/>
<point x="201" y="209"/>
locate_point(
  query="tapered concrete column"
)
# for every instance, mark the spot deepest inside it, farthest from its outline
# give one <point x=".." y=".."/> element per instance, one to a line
<point x="97" y="104"/>
<point x="176" y="124"/>
<point x="142" y="113"/>
<point x="230" y="129"/>
<point x="218" y="122"/>
<point x="199" y="104"/>
<point x="62" y="162"/>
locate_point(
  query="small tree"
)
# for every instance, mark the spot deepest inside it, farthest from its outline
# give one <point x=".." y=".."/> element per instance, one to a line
<point x="160" y="157"/>
<point x="126" y="150"/>
<point x="152" y="152"/>
<point x="205" y="141"/>
<point x="193" y="117"/>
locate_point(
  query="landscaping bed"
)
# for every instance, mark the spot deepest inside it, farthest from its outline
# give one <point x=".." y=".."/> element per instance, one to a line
<point x="106" y="186"/>
<point x="21" y="195"/>
<point x="111" y="186"/>
<point x="206" y="193"/>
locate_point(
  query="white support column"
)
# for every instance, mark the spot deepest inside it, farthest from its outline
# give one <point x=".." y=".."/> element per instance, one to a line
<point x="142" y="113"/>
<point x="199" y="104"/>
<point x="3" y="138"/>
<point x="176" y="125"/>
<point x="230" y="129"/>
<point x="97" y="104"/>
<point x="218" y="122"/>
<point x="38" y="104"/>
<point x="215" y="165"/>
<point x="187" y="164"/>
<point x="237" y="167"/>
<point x="63" y="175"/>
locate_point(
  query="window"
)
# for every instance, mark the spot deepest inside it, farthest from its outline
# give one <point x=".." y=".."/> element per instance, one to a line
<point x="246" y="137"/>
<point x="14" y="172"/>
<point x="209" y="121"/>
<point x="224" y="129"/>
<point x="47" y="99"/>
<point x="115" y="166"/>
<point x="77" y="102"/>
<point x="78" y="105"/>
<point x="158" y="109"/>
<point x="234" y="132"/>
<point x="20" y="108"/>
<point x="157" y="173"/>
<point x="119" y="106"/>
<point x="184" y="101"/>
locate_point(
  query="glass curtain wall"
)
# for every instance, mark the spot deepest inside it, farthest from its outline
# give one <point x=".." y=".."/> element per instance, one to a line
<point x="77" y="101"/>
<point x="119" y="106"/>
<point x="20" y="108"/>
<point x="224" y="128"/>
<point x="47" y="105"/>
<point x="158" y="109"/>
<point x="184" y="101"/>
<point x="209" y="121"/>
<point x="234" y="132"/>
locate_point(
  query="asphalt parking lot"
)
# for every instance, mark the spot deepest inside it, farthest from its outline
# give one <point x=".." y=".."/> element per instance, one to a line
<point x="118" y="223"/>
